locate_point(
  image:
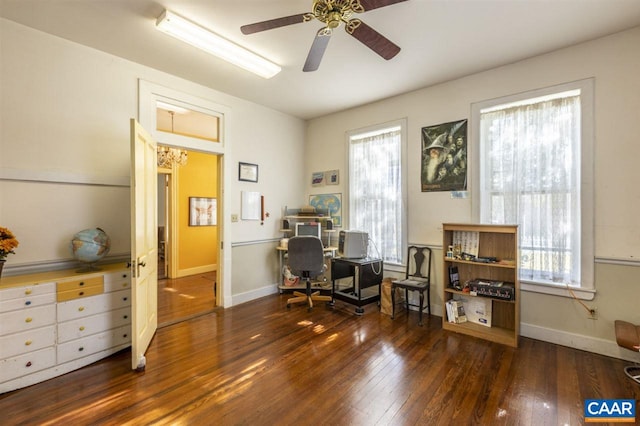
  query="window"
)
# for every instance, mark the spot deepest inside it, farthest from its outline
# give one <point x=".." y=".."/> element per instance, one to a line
<point x="377" y="189"/>
<point x="535" y="170"/>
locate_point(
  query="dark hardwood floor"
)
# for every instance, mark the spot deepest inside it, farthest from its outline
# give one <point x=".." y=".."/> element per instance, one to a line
<point x="184" y="298"/>
<point x="261" y="364"/>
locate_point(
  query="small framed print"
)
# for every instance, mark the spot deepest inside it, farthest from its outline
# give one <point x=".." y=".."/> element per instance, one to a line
<point x="248" y="172"/>
<point x="332" y="177"/>
<point x="202" y="211"/>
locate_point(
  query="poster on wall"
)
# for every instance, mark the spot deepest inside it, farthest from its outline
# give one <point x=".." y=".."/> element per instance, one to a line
<point x="444" y="157"/>
<point x="330" y="202"/>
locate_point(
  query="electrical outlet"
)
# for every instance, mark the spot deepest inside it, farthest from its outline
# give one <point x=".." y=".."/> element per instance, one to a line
<point x="593" y="313"/>
<point x="234" y="218"/>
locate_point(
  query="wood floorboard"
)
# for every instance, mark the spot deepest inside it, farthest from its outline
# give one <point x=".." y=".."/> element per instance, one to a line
<point x="180" y="299"/>
<point x="260" y="363"/>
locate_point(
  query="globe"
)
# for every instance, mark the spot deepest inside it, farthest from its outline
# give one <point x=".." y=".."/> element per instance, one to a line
<point x="90" y="245"/>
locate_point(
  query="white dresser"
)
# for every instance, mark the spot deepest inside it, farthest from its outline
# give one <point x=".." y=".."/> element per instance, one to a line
<point x="52" y="323"/>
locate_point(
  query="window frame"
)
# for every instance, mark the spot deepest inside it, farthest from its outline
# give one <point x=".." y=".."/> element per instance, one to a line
<point x="380" y="128"/>
<point x="586" y="290"/>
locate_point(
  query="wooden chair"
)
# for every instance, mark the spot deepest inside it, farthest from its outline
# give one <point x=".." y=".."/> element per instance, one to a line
<point x="628" y="337"/>
<point x="306" y="259"/>
<point x="417" y="278"/>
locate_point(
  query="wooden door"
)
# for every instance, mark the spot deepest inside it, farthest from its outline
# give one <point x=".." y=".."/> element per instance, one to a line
<point x="144" y="243"/>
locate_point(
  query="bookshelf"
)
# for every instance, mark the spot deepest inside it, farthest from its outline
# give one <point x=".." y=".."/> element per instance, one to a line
<point x="494" y="259"/>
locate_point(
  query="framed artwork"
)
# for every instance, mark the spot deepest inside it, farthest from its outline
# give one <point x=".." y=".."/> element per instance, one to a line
<point x="444" y="157"/>
<point x="317" y="178"/>
<point x="332" y="177"/>
<point x="330" y="202"/>
<point x="202" y="211"/>
<point x="248" y="172"/>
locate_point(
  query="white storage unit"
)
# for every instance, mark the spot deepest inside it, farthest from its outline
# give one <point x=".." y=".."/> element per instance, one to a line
<point x="53" y="323"/>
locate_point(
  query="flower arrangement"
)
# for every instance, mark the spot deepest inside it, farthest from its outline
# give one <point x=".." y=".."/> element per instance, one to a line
<point x="8" y="243"/>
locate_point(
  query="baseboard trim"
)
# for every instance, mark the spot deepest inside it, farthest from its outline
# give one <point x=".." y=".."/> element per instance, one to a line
<point x="578" y="341"/>
<point x="197" y="270"/>
<point x="254" y="294"/>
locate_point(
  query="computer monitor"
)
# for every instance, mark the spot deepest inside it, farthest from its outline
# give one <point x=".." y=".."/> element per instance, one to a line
<point x="312" y="228"/>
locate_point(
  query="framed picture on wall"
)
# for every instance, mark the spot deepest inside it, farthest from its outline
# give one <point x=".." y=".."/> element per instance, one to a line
<point x="332" y="177"/>
<point x="202" y="211"/>
<point x="248" y="172"/>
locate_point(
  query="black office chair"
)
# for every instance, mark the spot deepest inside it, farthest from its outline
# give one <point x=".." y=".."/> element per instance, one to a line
<point x="306" y="259"/>
<point x="417" y="278"/>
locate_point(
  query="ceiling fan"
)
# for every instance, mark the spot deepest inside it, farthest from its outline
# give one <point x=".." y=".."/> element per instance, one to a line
<point x="332" y="13"/>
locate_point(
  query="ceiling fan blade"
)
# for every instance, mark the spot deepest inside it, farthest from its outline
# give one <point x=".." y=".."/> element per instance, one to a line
<point x="374" y="4"/>
<point x="273" y="23"/>
<point x="372" y="39"/>
<point x="317" y="50"/>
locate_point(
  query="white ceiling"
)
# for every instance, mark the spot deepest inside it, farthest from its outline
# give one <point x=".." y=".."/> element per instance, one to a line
<point x="440" y="40"/>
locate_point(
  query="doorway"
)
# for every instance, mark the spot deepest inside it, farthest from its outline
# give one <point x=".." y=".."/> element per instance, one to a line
<point x="187" y="248"/>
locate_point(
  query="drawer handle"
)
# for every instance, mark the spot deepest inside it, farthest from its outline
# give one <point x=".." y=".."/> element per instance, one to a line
<point x="125" y="316"/>
<point x="82" y="328"/>
<point x="28" y="291"/>
<point x="28" y="342"/>
<point x="81" y="308"/>
<point x="28" y="302"/>
<point x="125" y="335"/>
<point x="124" y="275"/>
<point x="125" y="284"/>
<point x="124" y="298"/>
<point x="28" y="364"/>
<point x="80" y="349"/>
<point x="81" y="293"/>
<point x="29" y="319"/>
<point x="81" y="283"/>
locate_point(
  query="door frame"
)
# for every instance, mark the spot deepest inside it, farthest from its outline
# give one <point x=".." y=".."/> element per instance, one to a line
<point x="151" y="93"/>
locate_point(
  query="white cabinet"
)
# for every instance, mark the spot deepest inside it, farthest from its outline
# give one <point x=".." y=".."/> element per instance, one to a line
<point x="27" y="330"/>
<point x="53" y="323"/>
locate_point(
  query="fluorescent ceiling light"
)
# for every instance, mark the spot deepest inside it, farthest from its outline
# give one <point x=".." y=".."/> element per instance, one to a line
<point x="204" y="39"/>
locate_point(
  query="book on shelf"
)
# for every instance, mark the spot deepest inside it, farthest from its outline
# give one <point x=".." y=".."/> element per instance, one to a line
<point x="455" y="311"/>
<point x="454" y="278"/>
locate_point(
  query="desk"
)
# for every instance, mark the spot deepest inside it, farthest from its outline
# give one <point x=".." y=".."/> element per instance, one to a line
<point x="366" y="273"/>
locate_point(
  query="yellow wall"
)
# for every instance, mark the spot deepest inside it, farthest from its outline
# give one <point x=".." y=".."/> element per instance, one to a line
<point x="197" y="245"/>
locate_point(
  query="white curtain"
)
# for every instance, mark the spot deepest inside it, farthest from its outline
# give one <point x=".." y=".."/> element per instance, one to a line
<point x="375" y="191"/>
<point x="530" y="176"/>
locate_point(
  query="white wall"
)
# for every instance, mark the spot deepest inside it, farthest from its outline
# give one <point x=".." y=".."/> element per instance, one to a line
<point x="614" y="62"/>
<point x="65" y="155"/>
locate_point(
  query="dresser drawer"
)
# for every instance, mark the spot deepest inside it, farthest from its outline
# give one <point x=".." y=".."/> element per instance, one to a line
<point x="80" y="284"/>
<point x="79" y="308"/>
<point x="115" y="281"/>
<point x="27" y="302"/>
<point x="83" y="327"/>
<point x="63" y="296"/>
<point x="92" y="344"/>
<point x="31" y="362"/>
<point x="27" y="319"/>
<point x="27" y="341"/>
<point x="29" y="290"/>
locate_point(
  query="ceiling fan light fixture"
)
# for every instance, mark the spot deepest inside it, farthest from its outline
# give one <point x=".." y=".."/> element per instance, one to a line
<point x="197" y="36"/>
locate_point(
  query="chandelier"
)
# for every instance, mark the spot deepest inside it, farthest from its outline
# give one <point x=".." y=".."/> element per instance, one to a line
<point x="167" y="157"/>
